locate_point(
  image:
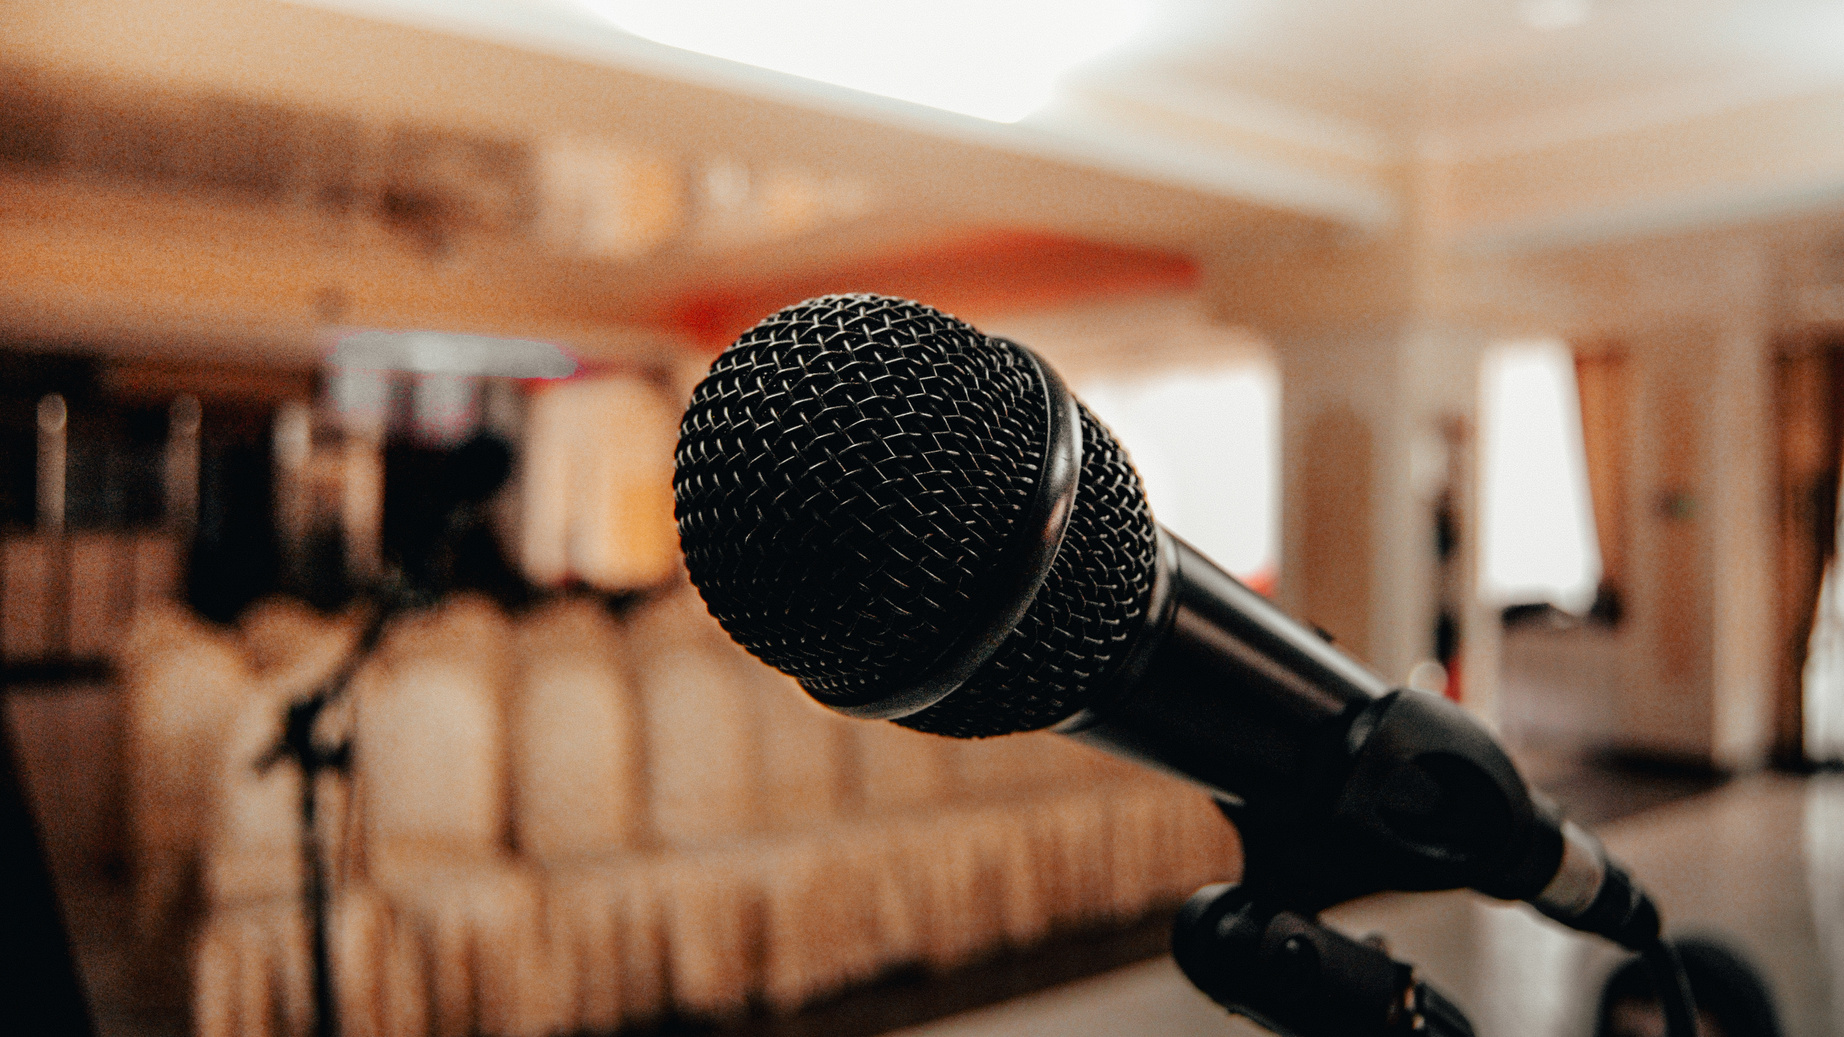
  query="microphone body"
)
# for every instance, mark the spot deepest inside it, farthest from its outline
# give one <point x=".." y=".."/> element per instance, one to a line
<point x="921" y="524"/>
<point x="1341" y="785"/>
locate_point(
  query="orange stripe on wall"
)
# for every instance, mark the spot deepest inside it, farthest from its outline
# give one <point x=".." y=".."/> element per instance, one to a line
<point x="973" y="276"/>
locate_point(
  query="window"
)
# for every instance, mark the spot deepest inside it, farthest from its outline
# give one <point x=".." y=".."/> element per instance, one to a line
<point x="1537" y="536"/>
<point x="1207" y="444"/>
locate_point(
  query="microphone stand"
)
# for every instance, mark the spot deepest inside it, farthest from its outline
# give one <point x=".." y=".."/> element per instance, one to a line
<point x="414" y="587"/>
<point x="313" y="758"/>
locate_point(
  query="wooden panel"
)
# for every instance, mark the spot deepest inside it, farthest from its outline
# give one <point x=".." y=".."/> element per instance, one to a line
<point x="161" y="383"/>
<point x="1682" y="636"/>
<point x="1336" y="555"/>
<point x="30" y="630"/>
<point x="70" y="750"/>
<point x="980" y="273"/>
<point x="156" y="569"/>
<point x="100" y="592"/>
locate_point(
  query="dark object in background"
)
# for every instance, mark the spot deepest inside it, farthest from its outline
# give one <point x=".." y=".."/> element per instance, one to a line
<point x="322" y="580"/>
<point x="114" y="447"/>
<point x="1730" y="993"/>
<point x="236" y="558"/>
<point x="39" y="989"/>
<point x="1608" y="608"/>
<point x="1539" y="614"/>
<point x="438" y="528"/>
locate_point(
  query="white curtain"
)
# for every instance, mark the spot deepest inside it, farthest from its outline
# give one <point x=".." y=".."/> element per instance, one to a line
<point x="1824" y="673"/>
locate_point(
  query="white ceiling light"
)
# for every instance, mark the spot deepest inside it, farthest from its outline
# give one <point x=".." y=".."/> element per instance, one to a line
<point x="995" y="59"/>
<point x="1550" y="15"/>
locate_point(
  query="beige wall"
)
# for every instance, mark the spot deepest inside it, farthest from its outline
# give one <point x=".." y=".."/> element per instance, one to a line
<point x="1379" y="343"/>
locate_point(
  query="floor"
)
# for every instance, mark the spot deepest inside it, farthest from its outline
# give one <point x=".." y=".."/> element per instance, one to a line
<point x="1759" y="861"/>
<point x="1602" y="787"/>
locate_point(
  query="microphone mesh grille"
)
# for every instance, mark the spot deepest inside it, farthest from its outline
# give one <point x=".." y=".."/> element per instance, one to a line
<point x="846" y="474"/>
<point x="1081" y="623"/>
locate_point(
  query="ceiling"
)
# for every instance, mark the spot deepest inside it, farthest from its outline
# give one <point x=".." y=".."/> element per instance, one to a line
<point x="1223" y="132"/>
<point x="1463" y="71"/>
<point x="1310" y="105"/>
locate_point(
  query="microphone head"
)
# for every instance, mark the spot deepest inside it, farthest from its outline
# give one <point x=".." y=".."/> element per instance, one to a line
<point x="848" y="475"/>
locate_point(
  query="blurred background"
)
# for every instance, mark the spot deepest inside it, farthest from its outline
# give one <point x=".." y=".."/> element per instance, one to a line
<point x="1501" y="339"/>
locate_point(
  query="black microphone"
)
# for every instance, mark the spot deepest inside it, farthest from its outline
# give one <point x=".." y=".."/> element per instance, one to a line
<point x="920" y="524"/>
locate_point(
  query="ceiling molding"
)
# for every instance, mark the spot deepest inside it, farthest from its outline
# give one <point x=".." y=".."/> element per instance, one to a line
<point x="1716" y="207"/>
<point x="1131" y="149"/>
<point x="1628" y="113"/>
<point x="1252" y="150"/>
<point x="1244" y="113"/>
<point x="1773" y="158"/>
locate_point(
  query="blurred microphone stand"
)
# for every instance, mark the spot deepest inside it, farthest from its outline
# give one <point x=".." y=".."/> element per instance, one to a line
<point x="458" y="551"/>
<point x="300" y="745"/>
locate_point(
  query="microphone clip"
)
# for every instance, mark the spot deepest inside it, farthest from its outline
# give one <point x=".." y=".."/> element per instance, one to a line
<point x="1292" y="974"/>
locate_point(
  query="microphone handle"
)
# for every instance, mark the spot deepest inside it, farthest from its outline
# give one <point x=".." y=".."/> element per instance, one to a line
<point x="1340" y="785"/>
<point x="1226" y="690"/>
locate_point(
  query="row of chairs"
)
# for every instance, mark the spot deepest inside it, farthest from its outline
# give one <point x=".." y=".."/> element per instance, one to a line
<point x="567" y="823"/>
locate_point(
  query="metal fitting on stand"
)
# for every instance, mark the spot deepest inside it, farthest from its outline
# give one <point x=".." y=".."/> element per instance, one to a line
<point x="1297" y="977"/>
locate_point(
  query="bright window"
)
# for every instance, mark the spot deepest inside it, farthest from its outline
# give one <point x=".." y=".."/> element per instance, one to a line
<point x="1206" y="443"/>
<point x="1537" y="521"/>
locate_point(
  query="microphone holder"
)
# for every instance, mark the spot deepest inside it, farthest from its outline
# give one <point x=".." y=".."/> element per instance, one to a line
<point x="1259" y="949"/>
<point x="1417" y="802"/>
<point x="1291" y="974"/>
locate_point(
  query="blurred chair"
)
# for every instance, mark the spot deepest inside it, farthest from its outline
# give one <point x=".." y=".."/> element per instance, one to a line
<point x="693" y="834"/>
<point x="954" y="885"/>
<point x="253" y="846"/>
<point x="577" y="814"/>
<point x="766" y="887"/>
<point x="1166" y="839"/>
<point x="182" y="682"/>
<point x="806" y="768"/>
<point x="902" y="771"/>
<point x="431" y="780"/>
<point x="831" y="914"/>
<point x="607" y="959"/>
<point x="826" y="923"/>
<point x="292" y="646"/>
<point x="574" y="737"/>
<point x="703" y="733"/>
<point x="704" y="768"/>
<point x="251" y="974"/>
